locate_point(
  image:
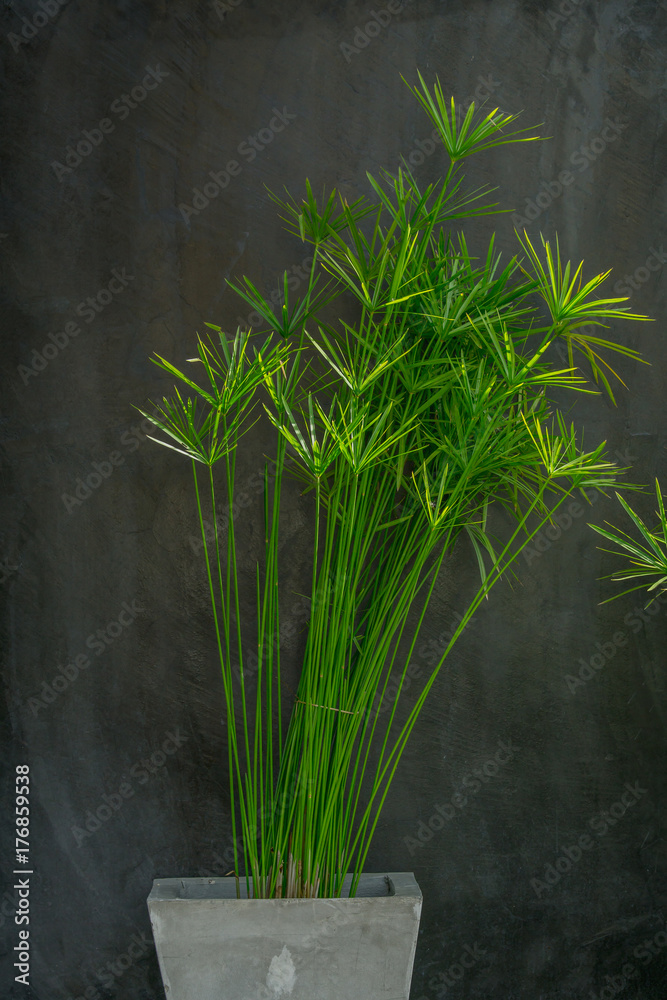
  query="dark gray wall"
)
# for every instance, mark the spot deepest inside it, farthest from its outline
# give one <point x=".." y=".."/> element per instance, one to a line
<point x="69" y="569"/>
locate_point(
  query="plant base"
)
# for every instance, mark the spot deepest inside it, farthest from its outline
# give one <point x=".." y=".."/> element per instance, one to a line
<point x="212" y="945"/>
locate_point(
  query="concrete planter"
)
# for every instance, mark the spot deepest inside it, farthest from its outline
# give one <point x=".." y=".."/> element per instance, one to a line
<point x="213" y="946"/>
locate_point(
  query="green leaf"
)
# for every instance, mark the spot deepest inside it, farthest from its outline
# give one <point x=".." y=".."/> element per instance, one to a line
<point x="465" y="138"/>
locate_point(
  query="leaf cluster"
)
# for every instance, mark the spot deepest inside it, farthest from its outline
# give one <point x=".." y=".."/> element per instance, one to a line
<point x="408" y="424"/>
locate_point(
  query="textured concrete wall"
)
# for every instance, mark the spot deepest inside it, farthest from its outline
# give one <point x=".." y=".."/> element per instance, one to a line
<point x="106" y="586"/>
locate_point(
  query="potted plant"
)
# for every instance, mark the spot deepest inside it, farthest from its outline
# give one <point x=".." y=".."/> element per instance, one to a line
<point x="407" y="426"/>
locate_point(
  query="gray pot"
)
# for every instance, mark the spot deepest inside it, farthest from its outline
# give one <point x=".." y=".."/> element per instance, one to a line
<point x="213" y="946"/>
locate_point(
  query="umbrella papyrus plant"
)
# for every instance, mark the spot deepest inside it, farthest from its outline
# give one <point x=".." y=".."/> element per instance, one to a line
<point x="406" y="426"/>
<point x="646" y="555"/>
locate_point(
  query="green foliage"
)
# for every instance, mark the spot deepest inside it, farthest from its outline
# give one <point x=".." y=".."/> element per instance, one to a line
<point x="648" y="560"/>
<point x="407" y="426"/>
